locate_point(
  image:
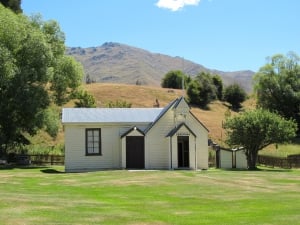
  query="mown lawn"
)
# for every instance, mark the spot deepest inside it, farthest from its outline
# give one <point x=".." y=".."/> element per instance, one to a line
<point x="49" y="196"/>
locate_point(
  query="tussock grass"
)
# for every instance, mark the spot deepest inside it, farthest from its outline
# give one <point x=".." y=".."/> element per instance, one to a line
<point x="139" y="96"/>
<point x="48" y="196"/>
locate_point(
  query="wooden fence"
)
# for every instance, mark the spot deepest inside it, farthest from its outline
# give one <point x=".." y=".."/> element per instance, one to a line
<point x="47" y="159"/>
<point x="292" y="161"/>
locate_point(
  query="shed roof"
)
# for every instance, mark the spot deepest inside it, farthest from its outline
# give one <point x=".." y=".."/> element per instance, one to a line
<point x="110" y="115"/>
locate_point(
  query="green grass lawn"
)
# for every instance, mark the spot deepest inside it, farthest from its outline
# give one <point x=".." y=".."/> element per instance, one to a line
<point x="49" y="196"/>
<point x="282" y="150"/>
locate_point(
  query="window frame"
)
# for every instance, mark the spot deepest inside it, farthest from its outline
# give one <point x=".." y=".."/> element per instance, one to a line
<point x="87" y="153"/>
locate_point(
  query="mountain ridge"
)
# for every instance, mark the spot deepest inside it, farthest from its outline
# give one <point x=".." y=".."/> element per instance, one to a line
<point x="114" y="62"/>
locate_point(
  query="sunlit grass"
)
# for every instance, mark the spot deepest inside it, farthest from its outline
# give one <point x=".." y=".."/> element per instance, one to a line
<point x="49" y="196"/>
<point x="282" y="150"/>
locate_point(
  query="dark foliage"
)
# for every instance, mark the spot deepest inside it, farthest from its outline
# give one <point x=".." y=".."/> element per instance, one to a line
<point x="14" y="5"/>
<point x="235" y="95"/>
<point x="201" y="91"/>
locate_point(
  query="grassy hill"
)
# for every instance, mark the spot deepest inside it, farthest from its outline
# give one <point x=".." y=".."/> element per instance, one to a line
<point x="139" y="97"/>
<point x="145" y="96"/>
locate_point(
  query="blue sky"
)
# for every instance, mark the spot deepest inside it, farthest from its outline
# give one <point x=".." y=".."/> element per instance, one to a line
<point x="227" y="35"/>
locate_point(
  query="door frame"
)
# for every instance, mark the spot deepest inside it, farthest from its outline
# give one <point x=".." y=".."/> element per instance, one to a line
<point x="137" y="145"/>
<point x="183" y="152"/>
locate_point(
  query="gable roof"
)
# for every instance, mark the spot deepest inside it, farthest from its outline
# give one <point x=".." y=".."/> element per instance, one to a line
<point x="121" y="115"/>
<point x="110" y="115"/>
<point x="132" y="129"/>
<point x="161" y="114"/>
<point x="174" y="131"/>
<point x="173" y="104"/>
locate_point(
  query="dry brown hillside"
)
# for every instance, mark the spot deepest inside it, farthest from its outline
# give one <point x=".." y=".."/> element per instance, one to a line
<point x="123" y="64"/>
<point x="145" y="96"/>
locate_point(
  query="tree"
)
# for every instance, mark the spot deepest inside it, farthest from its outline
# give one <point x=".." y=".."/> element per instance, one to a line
<point x="66" y="73"/>
<point x="255" y="130"/>
<point x="201" y="91"/>
<point x="14" y="5"/>
<point x="85" y="100"/>
<point x="277" y="85"/>
<point x="118" y="104"/>
<point x="193" y="92"/>
<point x="66" y="78"/>
<point x="51" y="121"/>
<point x="217" y="81"/>
<point x="173" y="79"/>
<point x="235" y="95"/>
<point x="34" y="74"/>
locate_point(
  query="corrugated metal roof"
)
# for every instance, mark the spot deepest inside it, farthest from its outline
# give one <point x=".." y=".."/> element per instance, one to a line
<point x="110" y="115"/>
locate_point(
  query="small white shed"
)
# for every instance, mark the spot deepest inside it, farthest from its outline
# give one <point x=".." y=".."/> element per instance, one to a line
<point x="231" y="158"/>
<point x="139" y="138"/>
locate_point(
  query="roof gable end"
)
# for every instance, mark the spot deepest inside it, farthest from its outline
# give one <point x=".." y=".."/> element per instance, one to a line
<point x="176" y="129"/>
<point x="172" y="105"/>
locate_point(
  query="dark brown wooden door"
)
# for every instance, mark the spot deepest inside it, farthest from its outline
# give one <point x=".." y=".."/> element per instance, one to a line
<point x="183" y="151"/>
<point x="135" y="152"/>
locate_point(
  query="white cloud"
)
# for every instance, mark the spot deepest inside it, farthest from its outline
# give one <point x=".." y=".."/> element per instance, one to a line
<point x="175" y="5"/>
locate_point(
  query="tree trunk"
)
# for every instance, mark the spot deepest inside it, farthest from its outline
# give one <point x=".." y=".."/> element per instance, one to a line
<point x="251" y="159"/>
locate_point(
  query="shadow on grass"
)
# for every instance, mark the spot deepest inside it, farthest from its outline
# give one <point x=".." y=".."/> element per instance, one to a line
<point x="271" y="169"/>
<point x="51" y="171"/>
<point x="260" y="169"/>
<point x="11" y="167"/>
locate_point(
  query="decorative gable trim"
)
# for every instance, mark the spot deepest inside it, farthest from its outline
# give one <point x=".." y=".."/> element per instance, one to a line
<point x="133" y="129"/>
<point x="179" y="101"/>
<point x="176" y="129"/>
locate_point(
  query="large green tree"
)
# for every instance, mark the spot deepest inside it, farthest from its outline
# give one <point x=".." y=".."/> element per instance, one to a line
<point x="255" y="130"/>
<point x="173" y="79"/>
<point x="202" y="90"/>
<point x="34" y="74"/>
<point x="218" y="83"/>
<point x="235" y="95"/>
<point x="277" y="85"/>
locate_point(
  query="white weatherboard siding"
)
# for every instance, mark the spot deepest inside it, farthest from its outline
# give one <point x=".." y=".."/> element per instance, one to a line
<point x="160" y="128"/>
<point x="173" y="152"/>
<point x="201" y="142"/>
<point x="241" y="159"/>
<point x="157" y="145"/>
<point x="75" y="152"/>
<point x="184" y="115"/>
<point x="226" y="159"/>
<point x="232" y="158"/>
<point x="192" y="148"/>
